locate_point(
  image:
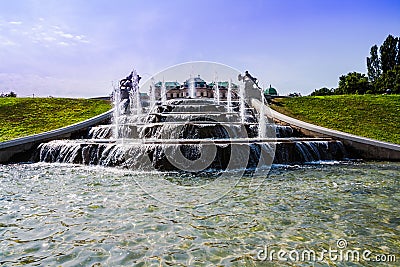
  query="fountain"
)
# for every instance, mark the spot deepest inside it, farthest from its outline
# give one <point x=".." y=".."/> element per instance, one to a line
<point x="191" y="134"/>
<point x="216" y="90"/>
<point x="148" y="214"/>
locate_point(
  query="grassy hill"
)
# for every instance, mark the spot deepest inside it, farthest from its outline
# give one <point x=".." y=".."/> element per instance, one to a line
<point x="25" y="116"/>
<point x="372" y="116"/>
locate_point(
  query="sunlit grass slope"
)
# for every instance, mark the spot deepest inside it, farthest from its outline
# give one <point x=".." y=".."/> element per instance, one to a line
<point x="372" y="116"/>
<point x="25" y="116"/>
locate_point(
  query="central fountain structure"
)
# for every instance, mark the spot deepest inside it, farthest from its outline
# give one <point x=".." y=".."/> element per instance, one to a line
<point x="192" y="128"/>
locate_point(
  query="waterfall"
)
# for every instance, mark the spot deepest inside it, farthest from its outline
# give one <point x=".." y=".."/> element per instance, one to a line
<point x="101" y="132"/>
<point x="163" y="93"/>
<point x="283" y="131"/>
<point x="314" y="151"/>
<point x="165" y="136"/>
<point x="189" y="135"/>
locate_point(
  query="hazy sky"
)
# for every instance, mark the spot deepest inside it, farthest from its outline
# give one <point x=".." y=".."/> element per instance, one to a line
<point x="77" y="48"/>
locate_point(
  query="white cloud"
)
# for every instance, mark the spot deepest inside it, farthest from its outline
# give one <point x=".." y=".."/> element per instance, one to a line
<point x="39" y="32"/>
<point x="63" y="43"/>
<point x="49" y="39"/>
<point x="7" y="42"/>
<point x="64" y="35"/>
<point x="15" y="22"/>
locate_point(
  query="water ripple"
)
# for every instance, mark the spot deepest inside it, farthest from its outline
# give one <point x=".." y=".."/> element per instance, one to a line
<point x="59" y="214"/>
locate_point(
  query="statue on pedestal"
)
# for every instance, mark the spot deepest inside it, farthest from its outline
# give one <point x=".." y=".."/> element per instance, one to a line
<point x="126" y="89"/>
<point x="251" y="85"/>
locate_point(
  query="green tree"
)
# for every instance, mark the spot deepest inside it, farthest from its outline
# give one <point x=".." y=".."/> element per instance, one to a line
<point x="374" y="64"/>
<point x="323" y="91"/>
<point x="389" y="80"/>
<point x="11" y="94"/>
<point x="353" y="83"/>
<point x="398" y="51"/>
<point x="389" y="53"/>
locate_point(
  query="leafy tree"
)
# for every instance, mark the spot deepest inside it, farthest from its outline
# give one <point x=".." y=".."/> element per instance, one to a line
<point x="353" y="83"/>
<point x="323" y="91"/>
<point x="389" y="80"/>
<point x="383" y="66"/>
<point x="389" y="53"/>
<point x="374" y="64"/>
<point x="11" y="94"/>
<point x="398" y="51"/>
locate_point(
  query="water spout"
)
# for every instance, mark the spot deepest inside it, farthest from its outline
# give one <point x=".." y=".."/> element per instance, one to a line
<point x="229" y="97"/>
<point x="152" y="93"/>
<point x="117" y="109"/>
<point x="261" y="120"/>
<point x="163" y="93"/>
<point x="136" y="93"/>
<point x="192" y="88"/>
<point x="242" y="96"/>
<point x="216" y="90"/>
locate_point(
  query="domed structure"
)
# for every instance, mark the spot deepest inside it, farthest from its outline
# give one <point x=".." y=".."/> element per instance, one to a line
<point x="270" y="91"/>
<point x="197" y="81"/>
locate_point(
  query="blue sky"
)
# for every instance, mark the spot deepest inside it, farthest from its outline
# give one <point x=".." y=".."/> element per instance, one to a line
<point x="75" y="48"/>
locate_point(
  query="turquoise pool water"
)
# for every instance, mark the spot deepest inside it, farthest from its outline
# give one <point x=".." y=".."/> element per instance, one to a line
<point x="70" y="215"/>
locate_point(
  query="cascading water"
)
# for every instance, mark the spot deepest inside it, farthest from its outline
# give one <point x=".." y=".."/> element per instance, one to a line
<point x="181" y="132"/>
<point x="190" y="134"/>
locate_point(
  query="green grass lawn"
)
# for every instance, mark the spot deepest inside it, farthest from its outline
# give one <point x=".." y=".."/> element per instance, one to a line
<point x="373" y="116"/>
<point x="25" y="116"/>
